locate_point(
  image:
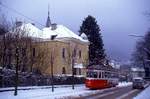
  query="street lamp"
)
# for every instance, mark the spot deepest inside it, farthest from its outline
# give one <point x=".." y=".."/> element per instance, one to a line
<point x="52" y="63"/>
<point x="134" y="35"/>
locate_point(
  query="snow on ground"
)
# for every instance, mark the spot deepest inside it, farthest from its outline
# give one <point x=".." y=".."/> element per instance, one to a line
<point x="123" y="84"/>
<point x="144" y="94"/>
<point x="33" y="87"/>
<point x="59" y="92"/>
<point x="45" y="93"/>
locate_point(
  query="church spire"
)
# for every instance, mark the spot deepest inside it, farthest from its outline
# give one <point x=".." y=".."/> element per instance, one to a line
<point x="48" y="22"/>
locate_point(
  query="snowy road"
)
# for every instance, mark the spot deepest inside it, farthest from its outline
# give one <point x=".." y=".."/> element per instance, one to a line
<point x="59" y="92"/>
<point x="121" y="93"/>
<point x="117" y="93"/>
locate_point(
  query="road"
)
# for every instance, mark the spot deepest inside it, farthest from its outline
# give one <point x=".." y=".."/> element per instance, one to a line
<point x="115" y="93"/>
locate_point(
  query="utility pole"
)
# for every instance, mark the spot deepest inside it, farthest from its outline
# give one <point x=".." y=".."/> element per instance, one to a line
<point x="16" y="73"/>
<point x="73" y="61"/>
<point x="52" y="74"/>
<point x="52" y="63"/>
<point x="73" y="73"/>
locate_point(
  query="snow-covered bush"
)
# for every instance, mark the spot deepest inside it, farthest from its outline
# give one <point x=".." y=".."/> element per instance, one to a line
<point x="7" y="79"/>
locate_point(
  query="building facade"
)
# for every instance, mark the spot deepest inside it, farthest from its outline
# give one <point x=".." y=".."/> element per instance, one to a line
<point x="138" y="72"/>
<point x="58" y="50"/>
<point x="61" y="56"/>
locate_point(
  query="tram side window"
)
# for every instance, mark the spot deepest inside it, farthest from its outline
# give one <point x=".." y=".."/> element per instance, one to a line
<point x="115" y="75"/>
<point x="106" y="75"/>
<point x="112" y="75"/>
<point x="99" y="74"/>
<point x="102" y="74"/>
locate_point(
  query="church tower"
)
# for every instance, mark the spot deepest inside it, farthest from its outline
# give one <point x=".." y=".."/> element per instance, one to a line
<point x="48" y="22"/>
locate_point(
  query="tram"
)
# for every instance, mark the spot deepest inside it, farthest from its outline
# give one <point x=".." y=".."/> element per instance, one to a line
<point x="99" y="78"/>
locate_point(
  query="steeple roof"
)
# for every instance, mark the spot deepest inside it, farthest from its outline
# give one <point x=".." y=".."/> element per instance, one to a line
<point x="48" y="22"/>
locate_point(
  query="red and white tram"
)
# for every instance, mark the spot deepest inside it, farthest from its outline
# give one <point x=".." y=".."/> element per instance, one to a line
<point x="101" y="78"/>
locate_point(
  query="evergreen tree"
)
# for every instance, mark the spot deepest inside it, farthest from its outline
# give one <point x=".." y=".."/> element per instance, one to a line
<point x="92" y="31"/>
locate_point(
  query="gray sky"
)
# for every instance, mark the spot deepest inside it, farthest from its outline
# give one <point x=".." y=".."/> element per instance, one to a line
<point x="117" y="19"/>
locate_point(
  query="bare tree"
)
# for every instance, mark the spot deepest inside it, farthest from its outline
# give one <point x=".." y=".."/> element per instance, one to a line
<point x="141" y="55"/>
<point x="4" y="28"/>
<point x="16" y="51"/>
<point x="72" y="48"/>
<point x="21" y="44"/>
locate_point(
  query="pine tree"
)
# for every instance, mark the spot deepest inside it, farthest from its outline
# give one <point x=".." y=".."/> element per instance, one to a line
<point x="92" y="31"/>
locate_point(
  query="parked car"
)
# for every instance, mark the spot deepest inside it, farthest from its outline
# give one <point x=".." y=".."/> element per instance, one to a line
<point x="138" y="83"/>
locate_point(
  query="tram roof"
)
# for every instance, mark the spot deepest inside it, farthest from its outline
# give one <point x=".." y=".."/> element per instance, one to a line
<point x="101" y="67"/>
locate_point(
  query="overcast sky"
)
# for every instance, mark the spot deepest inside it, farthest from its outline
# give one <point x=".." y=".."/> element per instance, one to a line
<point x="116" y="18"/>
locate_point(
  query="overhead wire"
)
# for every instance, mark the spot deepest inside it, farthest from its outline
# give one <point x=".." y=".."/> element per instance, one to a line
<point x="19" y="13"/>
<point x="15" y="11"/>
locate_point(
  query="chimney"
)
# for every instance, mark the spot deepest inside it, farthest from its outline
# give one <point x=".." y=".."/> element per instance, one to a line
<point x="53" y="37"/>
<point x="18" y="23"/>
<point x="33" y="24"/>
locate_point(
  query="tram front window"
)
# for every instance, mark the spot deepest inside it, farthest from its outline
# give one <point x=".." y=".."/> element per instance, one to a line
<point x="92" y="74"/>
<point x="95" y="74"/>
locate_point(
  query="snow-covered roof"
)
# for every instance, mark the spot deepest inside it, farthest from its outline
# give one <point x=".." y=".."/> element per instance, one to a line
<point x="32" y="30"/>
<point x="61" y="32"/>
<point x="84" y="36"/>
<point x="46" y="33"/>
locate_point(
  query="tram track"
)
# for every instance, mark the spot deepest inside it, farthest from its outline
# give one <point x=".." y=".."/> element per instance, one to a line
<point x="113" y="93"/>
<point x="102" y="92"/>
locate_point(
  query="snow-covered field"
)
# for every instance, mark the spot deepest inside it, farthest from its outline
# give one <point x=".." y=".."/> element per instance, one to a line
<point x="44" y="92"/>
<point x="144" y="94"/>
